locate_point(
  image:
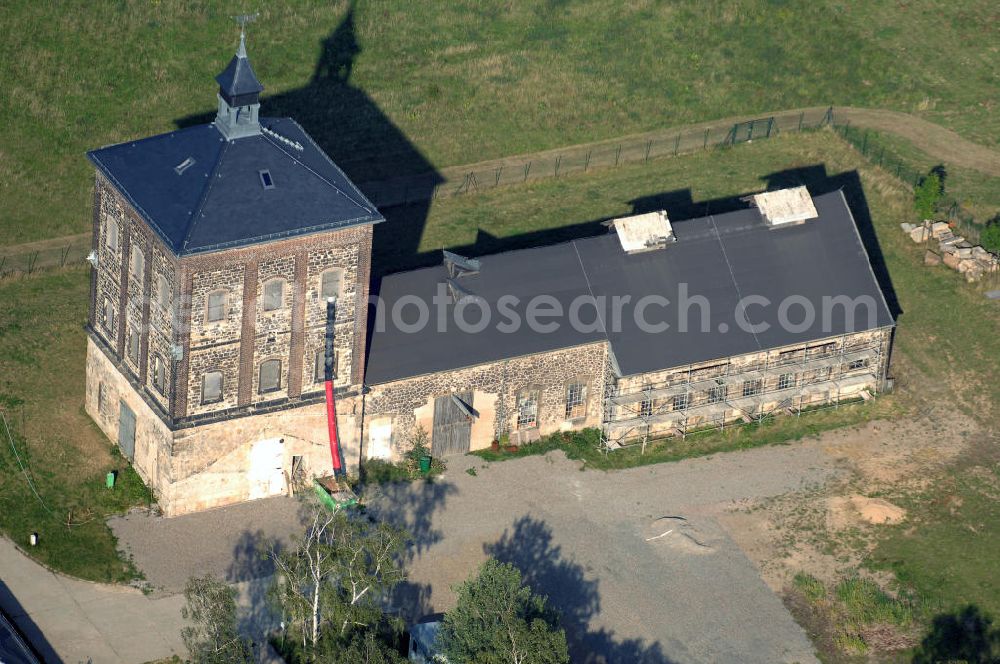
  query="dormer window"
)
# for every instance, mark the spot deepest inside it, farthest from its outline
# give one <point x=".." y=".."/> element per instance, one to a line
<point x="184" y="165"/>
<point x="265" y="179"/>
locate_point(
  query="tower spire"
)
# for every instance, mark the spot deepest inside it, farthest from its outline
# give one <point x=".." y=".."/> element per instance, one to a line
<point x="239" y="91"/>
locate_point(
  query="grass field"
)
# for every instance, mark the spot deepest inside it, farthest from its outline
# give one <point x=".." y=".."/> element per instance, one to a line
<point x="391" y="86"/>
<point x="42" y="347"/>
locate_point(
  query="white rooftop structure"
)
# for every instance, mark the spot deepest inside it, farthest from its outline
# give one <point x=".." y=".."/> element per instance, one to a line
<point x="785" y="206"/>
<point x="643" y="232"/>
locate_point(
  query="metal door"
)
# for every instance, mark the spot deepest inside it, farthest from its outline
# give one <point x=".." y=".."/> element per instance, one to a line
<point x="266" y="474"/>
<point x="126" y="430"/>
<point x="452" y="424"/>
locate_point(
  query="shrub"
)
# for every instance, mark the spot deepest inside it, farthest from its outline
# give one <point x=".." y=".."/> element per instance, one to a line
<point x="990" y="237"/>
<point x="927" y="194"/>
<point x="810" y="586"/>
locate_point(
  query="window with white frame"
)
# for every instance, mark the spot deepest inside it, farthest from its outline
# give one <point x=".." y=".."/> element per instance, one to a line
<point x="270" y="376"/>
<point x="274" y="294"/>
<point x="858" y="364"/>
<point x="527" y="408"/>
<point x="786" y="381"/>
<point x="211" y="387"/>
<point x="681" y="401"/>
<point x="215" y="309"/>
<point x="751" y="387"/>
<point x="576" y="400"/>
<point x="717" y="394"/>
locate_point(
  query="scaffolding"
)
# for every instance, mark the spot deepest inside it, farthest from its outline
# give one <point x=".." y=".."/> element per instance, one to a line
<point x="700" y="398"/>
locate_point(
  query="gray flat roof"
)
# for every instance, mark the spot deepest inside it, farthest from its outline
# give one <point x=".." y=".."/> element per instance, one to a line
<point x="723" y="258"/>
<point x="218" y="201"/>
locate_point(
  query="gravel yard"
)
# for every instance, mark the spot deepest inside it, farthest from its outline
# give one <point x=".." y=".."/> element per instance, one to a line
<point x="632" y="585"/>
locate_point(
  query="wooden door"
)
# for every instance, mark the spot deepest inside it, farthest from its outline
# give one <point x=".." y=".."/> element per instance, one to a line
<point x="126" y="430"/>
<point x="452" y="424"/>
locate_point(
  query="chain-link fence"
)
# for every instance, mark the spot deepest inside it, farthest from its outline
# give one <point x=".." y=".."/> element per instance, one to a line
<point x="23" y="260"/>
<point x="871" y="148"/>
<point x="579" y="159"/>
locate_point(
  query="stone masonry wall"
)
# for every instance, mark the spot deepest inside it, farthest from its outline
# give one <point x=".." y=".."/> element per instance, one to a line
<point x="409" y="403"/>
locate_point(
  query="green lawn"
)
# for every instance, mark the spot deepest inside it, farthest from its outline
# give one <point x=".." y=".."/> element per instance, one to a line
<point x="405" y="85"/>
<point x="42" y="349"/>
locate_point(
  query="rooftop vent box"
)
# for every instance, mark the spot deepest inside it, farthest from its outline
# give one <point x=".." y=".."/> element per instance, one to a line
<point x="785" y="206"/>
<point x="644" y="232"/>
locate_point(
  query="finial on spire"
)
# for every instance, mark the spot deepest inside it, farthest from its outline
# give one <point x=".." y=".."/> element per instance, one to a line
<point x="243" y="19"/>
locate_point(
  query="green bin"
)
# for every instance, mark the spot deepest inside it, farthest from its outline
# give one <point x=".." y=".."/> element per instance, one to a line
<point x="425" y="464"/>
<point x="109" y="481"/>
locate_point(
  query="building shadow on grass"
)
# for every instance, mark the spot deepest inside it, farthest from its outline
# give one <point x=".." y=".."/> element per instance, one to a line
<point x="360" y="138"/>
<point x="528" y="545"/>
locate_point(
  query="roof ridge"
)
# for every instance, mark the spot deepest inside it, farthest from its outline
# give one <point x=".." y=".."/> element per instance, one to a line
<point x="366" y="204"/>
<point x="212" y="176"/>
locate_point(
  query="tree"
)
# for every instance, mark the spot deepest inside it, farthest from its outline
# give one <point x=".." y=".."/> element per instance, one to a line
<point x="927" y="194"/>
<point x="498" y="620"/>
<point x="213" y="638"/>
<point x="990" y="237"/>
<point x="329" y="583"/>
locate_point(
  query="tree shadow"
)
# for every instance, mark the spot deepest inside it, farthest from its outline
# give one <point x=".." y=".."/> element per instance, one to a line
<point x="27" y="631"/>
<point x="251" y="573"/>
<point x="965" y="635"/>
<point x="361" y="139"/>
<point x="411" y="506"/>
<point x="528" y="545"/>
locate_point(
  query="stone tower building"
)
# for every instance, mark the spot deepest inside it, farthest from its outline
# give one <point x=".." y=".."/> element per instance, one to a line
<point x="215" y="248"/>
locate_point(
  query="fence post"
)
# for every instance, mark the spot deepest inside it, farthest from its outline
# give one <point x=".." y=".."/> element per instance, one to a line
<point x="31" y="260"/>
<point x="770" y="125"/>
<point x="558" y="162"/>
<point x="499" y="172"/>
<point x="649" y="145"/>
<point x="802" y="117"/>
<point x="828" y="117"/>
<point x="618" y="155"/>
<point x="677" y="144"/>
<point x="864" y="144"/>
<point x="704" y="146"/>
<point x="586" y="164"/>
<point x="527" y="169"/>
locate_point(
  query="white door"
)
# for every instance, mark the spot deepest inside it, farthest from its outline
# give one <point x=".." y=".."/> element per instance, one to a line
<point x="379" y="439"/>
<point x="267" y="472"/>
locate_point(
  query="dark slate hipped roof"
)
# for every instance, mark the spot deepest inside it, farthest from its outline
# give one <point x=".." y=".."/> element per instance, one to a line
<point x="723" y="258"/>
<point x="219" y="201"/>
<point x="238" y="79"/>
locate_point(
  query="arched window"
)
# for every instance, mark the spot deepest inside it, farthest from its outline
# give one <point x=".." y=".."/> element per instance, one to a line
<point x="216" y="306"/>
<point x="109" y="315"/>
<point x="576" y="399"/>
<point x="330" y="283"/>
<point x="274" y="294"/>
<point x="211" y="387"/>
<point x="133" y="346"/>
<point x="270" y="376"/>
<point x="111" y="235"/>
<point x="138" y="263"/>
<point x="527" y="407"/>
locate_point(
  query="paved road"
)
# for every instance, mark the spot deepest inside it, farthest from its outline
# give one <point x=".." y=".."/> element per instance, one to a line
<point x="68" y="620"/>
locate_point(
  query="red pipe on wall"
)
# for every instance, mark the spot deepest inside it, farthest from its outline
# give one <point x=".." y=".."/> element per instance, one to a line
<point x="331" y="404"/>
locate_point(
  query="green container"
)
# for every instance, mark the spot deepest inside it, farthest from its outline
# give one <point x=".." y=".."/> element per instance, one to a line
<point x="109" y="481"/>
<point x="425" y="464"/>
